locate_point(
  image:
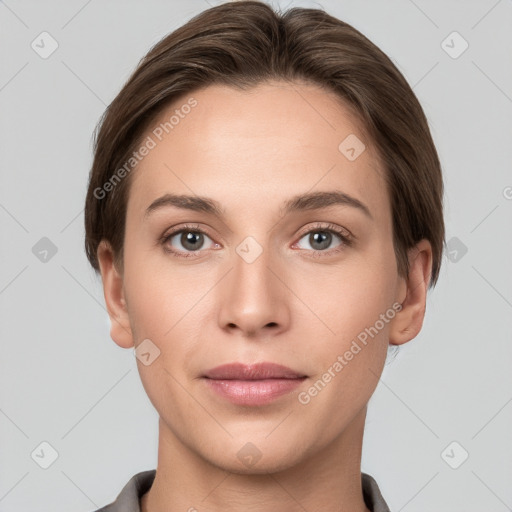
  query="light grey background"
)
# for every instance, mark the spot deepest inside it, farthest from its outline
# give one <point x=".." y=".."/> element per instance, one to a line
<point x="64" y="381"/>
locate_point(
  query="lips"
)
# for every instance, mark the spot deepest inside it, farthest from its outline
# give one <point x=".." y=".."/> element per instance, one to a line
<point x="252" y="385"/>
<point x="258" y="371"/>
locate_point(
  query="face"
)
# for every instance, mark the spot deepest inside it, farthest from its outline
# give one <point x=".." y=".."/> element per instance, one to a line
<point x="248" y="272"/>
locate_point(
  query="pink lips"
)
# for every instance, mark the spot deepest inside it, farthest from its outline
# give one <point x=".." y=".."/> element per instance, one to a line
<point x="256" y="384"/>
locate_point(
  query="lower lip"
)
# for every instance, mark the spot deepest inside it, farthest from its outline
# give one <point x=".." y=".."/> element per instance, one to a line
<point x="253" y="392"/>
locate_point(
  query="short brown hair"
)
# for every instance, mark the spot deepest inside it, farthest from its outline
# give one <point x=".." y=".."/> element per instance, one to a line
<point x="242" y="44"/>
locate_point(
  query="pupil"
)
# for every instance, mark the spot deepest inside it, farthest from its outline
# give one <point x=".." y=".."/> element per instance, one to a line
<point x="322" y="238"/>
<point x="190" y="240"/>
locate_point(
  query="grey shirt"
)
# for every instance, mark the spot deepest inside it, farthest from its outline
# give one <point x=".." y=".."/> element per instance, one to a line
<point x="128" y="499"/>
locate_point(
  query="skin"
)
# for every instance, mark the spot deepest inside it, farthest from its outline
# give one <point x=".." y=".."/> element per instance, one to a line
<point x="297" y="304"/>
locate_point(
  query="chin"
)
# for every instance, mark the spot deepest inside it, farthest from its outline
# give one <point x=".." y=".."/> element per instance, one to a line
<point x="256" y="458"/>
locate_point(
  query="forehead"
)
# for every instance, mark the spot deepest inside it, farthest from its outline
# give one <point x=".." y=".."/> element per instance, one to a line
<point x="248" y="147"/>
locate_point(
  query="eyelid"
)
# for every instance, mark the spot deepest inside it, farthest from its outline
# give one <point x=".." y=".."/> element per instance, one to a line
<point x="327" y="226"/>
<point x="192" y="227"/>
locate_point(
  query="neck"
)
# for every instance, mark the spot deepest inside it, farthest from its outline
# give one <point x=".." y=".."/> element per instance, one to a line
<point x="329" y="480"/>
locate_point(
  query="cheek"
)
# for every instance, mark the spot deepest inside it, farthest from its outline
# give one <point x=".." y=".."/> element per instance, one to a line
<point x="350" y="349"/>
<point x="352" y="307"/>
<point x="344" y="300"/>
<point x="169" y="306"/>
<point x="159" y="292"/>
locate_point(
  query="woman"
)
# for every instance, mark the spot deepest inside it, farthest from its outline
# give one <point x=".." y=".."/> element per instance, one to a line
<point x="265" y="210"/>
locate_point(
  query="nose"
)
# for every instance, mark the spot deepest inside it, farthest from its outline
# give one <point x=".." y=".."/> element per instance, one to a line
<point x="254" y="298"/>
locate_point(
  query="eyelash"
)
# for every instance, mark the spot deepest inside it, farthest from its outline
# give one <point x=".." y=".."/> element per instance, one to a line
<point x="345" y="237"/>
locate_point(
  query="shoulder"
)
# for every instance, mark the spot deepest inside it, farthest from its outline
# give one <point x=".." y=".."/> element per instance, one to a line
<point x="128" y="500"/>
<point x="372" y="495"/>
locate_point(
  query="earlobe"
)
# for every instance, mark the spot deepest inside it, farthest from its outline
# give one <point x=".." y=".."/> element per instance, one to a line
<point x="120" y="329"/>
<point x="408" y="322"/>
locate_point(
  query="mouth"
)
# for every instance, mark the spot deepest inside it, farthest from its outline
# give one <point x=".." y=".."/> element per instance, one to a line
<point x="258" y="371"/>
<point x="252" y="385"/>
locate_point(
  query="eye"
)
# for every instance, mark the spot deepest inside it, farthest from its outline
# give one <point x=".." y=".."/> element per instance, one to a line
<point x="190" y="238"/>
<point x="188" y="241"/>
<point x="322" y="237"/>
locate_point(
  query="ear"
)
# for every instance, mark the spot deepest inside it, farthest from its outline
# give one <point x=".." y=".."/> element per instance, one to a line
<point x="120" y="329"/>
<point x="413" y="293"/>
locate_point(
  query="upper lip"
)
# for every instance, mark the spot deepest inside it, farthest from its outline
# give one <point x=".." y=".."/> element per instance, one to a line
<point x="257" y="371"/>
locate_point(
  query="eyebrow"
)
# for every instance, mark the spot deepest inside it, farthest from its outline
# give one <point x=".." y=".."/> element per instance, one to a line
<point x="301" y="202"/>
